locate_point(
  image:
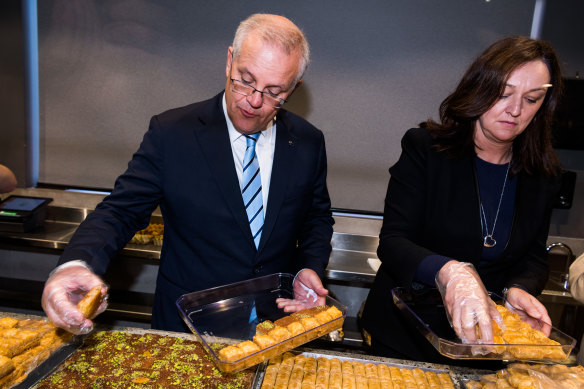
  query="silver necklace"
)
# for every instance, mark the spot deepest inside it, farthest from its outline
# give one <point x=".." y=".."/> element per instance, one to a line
<point x="488" y="240"/>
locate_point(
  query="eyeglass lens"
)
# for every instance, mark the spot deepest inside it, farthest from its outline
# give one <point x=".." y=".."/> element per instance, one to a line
<point x="247" y="90"/>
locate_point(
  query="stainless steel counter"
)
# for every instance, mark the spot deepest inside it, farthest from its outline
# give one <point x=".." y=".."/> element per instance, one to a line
<point x="348" y="260"/>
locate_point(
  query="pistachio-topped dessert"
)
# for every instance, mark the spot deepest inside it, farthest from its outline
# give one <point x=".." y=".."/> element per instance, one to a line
<point x="116" y="359"/>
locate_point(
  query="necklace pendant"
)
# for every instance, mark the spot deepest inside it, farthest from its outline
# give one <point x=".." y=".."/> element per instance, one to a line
<point x="489" y="241"/>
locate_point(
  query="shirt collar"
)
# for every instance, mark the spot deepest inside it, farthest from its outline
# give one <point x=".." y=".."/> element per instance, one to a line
<point x="234" y="135"/>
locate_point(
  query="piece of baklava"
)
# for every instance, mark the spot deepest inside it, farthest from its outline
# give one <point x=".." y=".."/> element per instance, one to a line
<point x="279" y="334"/>
<point x="264" y="327"/>
<point x="264" y="341"/>
<point x="230" y="353"/>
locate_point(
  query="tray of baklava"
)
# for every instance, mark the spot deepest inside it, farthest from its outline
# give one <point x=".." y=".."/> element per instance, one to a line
<point x="527" y="376"/>
<point x="31" y="346"/>
<point x="319" y="369"/>
<point x="518" y="337"/>
<point x="241" y="325"/>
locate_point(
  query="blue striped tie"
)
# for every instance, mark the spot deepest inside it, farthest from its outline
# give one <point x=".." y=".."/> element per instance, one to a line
<point x="251" y="189"/>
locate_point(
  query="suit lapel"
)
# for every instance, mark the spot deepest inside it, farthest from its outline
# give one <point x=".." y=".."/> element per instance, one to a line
<point x="213" y="138"/>
<point x="284" y="157"/>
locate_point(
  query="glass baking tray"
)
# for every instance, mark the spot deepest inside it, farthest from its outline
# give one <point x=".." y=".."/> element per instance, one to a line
<point x="221" y="316"/>
<point x="426" y="311"/>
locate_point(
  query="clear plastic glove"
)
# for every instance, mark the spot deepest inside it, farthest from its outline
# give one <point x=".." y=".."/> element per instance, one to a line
<point x="63" y="290"/>
<point x="529" y="309"/>
<point x="467" y="302"/>
<point x="308" y="292"/>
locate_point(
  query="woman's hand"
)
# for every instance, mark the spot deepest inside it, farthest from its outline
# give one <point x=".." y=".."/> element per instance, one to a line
<point x="529" y="309"/>
<point x="467" y="302"/>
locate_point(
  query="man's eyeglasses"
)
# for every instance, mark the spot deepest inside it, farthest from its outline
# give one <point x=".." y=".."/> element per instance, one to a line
<point x="245" y="89"/>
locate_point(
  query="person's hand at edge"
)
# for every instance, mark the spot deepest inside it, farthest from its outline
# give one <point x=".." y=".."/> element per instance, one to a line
<point x="7" y="180"/>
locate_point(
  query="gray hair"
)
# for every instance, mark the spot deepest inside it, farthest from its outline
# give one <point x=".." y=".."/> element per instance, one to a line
<point x="278" y="30"/>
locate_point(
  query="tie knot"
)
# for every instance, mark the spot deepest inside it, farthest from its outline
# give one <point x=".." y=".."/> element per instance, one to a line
<point x="252" y="139"/>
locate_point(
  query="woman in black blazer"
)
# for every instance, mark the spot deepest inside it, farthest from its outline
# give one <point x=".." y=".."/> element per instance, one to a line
<point x="469" y="201"/>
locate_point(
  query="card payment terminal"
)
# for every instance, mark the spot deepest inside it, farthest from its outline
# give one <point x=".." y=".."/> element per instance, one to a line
<point x="23" y="213"/>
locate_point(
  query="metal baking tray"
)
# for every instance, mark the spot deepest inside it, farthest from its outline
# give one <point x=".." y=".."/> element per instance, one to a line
<point x="54" y="364"/>
<point x="458" y="375"/>
<point x="49" y="364"/>
<point x="221" y="316"/>
<point x="426" y="311"/>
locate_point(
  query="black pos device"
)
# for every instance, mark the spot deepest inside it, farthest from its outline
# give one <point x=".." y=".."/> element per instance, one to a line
<point x="23" y="213"/>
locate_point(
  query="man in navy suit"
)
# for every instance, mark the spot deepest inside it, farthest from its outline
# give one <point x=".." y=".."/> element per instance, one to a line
<point x="190" y="163"/>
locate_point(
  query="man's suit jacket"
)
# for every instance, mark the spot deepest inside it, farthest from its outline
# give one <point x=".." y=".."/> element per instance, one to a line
<point x="432" y="207"/>
<point x="185" y="165"/>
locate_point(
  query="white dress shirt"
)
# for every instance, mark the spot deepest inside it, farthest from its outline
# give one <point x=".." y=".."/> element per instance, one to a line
<point x="265" y="147"/>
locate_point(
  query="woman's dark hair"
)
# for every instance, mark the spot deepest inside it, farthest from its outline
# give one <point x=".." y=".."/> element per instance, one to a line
<point x="480" y="88"/>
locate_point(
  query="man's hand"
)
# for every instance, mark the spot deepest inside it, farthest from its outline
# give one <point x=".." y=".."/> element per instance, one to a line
<point x="308" y="292"/>
<point x="63" y="290"/>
